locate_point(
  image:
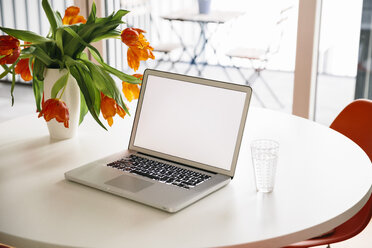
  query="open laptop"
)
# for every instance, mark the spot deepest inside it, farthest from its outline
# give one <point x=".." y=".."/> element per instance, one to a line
<point x="184" y="143"/>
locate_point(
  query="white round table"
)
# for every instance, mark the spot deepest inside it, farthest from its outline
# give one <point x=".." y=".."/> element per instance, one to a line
<point x="323" y="179"/>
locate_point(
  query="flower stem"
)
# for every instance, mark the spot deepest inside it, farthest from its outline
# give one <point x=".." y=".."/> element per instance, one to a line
<point x="63" y="91"/>
<point x="64" y="88"/>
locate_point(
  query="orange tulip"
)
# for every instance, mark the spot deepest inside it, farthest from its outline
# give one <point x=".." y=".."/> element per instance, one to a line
<point x="72" y="17"/>
<point x="135" y="55"/>
<point x="139" y="48"/>
<point x="110" y="108"/>
<point x="131" y="91"/>
<point x="23" y="68"/>
<point x="139" y="76"/>
<point x="131" y="37"/>
<point x="27" y="43"/>
<point x="55" y="108"/>
<point x="9" y="48"/>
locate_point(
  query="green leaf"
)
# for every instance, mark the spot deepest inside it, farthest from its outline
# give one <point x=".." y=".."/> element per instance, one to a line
<point x="76" y="36"/>
<point x="38" y="70"/>
<point x="53" y="18"/>
<point x="107" y="35"/>
<point x="28" y="50"/>
<point x="12" y="88"/>
<point x="121" y="75"/>
<point x="101" y="26"/>
<point x="81" y="74"/>
<point x="59" y="40"/>
<point x="38" y="88"/>
<point x="25" y="56"/>
<point x="25" y="35"/>
<point x="84" y="56"/>
<point x="83" y="108"/>
<point x="94" y="29"/>
<point x="58" y="18"/>
<point x="30" y="62"/>
<point x="71" y="46"/>
<point x="38" y="82"/>
<point x="59" y="84"/>
<point x="105" y="84"/>
<point x="92" y="15"/>
<point x="6" y="71"/>
<point x="119" y="14"/>
<point x="102" y="29"/>
<point x="40" y="54"/>
<point x="100" y="80"/>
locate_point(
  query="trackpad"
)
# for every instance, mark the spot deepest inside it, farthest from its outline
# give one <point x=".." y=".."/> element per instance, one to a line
<point x="129" y="183"/>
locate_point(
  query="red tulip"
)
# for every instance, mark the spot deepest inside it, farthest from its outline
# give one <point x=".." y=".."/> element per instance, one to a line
<point x="55" y="108"/>
<point x="9" y="47"/>
<point x="23" y="68"/>
<point x="110" y="108"/>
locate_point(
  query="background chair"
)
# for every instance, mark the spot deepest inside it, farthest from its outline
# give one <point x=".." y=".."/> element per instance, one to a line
<point x="164" y="49"/>
<point x="355" y="122"/>
<point x="5" y="246"/>
<point x="259" y="58"/>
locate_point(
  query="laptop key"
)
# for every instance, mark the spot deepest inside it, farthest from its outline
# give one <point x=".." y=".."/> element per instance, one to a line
<point x="144" y="174"/>
<point x="169" y="180"/>
<point x="161" y="172"/>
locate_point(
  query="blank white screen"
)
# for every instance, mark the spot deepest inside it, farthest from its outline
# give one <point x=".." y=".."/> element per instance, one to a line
<point x="190" y="121"/>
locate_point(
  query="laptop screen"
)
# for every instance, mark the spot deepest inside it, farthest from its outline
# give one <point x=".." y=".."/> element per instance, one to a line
<point x="190" y="120"/>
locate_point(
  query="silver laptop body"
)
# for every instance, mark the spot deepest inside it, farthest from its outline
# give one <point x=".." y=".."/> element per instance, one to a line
<point x="182" y="121"/>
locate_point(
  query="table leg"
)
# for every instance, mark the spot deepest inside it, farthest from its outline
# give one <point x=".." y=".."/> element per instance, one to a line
<point x="196" y="53"/>
<point x="207" y="41"/>
<point x="184" y="46"/>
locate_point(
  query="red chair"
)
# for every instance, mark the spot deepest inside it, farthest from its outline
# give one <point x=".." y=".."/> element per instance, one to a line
<point x="355" y="122"/>
<point x="5" y="246"/>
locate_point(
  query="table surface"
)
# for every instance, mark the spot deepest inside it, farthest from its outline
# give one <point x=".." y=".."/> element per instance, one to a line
<point x="212" y="17"/>
<point x="323" y="178"/>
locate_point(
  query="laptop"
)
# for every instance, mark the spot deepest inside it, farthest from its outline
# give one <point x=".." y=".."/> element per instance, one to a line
<point x="184" y="143"/>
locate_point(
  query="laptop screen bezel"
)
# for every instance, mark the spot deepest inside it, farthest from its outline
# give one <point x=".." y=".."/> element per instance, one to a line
<point x="242" y="88"/>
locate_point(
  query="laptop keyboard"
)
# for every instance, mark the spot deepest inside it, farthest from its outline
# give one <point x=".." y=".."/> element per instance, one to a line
<point x="159" y="171"/>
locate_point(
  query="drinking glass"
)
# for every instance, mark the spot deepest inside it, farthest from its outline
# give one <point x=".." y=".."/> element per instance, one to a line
<point x="265" y="159"/>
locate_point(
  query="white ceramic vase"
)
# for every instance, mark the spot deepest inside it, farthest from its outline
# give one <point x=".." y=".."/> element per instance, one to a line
<point x="71" y="97"/>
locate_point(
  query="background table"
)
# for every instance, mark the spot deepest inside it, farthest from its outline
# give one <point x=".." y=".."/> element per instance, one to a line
<point x="323" y="178"/>
<point x="205" y="35"/>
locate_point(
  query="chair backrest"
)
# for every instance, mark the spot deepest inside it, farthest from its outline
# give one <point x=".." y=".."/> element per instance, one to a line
<point x="355" y="122"/>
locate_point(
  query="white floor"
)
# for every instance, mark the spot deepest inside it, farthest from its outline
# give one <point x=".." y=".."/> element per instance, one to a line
<point x="24" y="101"/>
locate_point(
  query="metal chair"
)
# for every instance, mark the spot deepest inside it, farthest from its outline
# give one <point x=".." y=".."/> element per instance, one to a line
<point x="259" y="58"/>
<point x="164" y="49"/>
<point x="355" y="122"/>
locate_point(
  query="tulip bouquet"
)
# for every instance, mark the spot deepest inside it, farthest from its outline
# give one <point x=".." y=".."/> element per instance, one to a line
<point x="63" y="48"/>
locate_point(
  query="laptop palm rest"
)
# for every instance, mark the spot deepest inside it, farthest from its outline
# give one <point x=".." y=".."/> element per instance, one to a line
<point x="129" y="183"/>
